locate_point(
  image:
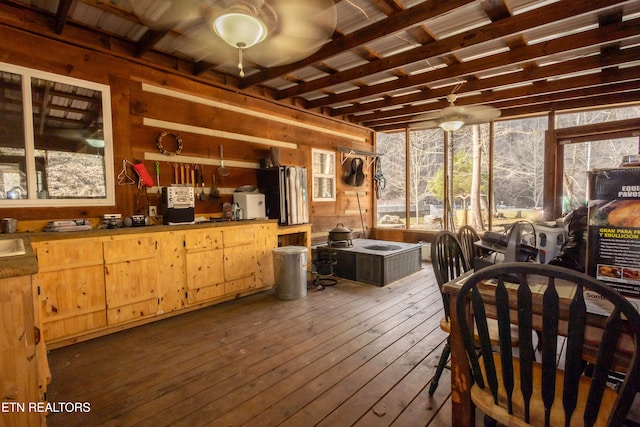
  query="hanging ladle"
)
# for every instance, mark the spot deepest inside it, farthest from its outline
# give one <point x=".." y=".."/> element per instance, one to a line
<point x="222" y="171"/>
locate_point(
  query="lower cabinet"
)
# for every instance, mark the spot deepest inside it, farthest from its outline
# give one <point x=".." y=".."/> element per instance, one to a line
<point x="131" y="279"/>
<point x="70" y="287"/>
<point x="204" y="265"/>
<point x="240" y="260"/>
<point x="24" y="372"/>
<point x="87" y="285"/>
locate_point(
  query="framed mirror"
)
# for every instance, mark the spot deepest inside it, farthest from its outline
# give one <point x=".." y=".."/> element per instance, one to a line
<point x="55" y="140"/>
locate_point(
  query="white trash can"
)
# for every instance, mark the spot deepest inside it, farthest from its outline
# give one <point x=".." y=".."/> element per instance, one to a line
<point x="290" y="271"/>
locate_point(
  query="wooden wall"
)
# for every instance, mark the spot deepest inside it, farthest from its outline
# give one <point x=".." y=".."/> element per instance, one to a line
<point x="148" y="100"/>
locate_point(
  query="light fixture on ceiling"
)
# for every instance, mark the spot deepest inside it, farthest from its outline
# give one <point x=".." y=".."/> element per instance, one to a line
<point x="240" y="29"/>
<point x="97" y="143"/>
<point x="451" y="125"/>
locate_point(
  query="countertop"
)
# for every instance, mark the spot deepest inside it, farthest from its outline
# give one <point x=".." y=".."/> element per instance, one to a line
<point x="27" y="264"/>
<point x="20" y="265"/>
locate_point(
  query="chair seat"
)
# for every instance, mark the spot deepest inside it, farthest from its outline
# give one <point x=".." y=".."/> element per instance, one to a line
<point x="483" y="399"/>
<point x="492" y="324"/>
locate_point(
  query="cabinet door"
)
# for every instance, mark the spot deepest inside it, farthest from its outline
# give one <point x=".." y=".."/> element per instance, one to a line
<point x="20" y="381"/>
<point x="171" y="270"/>
<point x="240" y="256"/>
<point x="267" y="240"/>
<point x="204" y="265"/>
<point x="69" y="287"/>
<point x="131" y="279"/>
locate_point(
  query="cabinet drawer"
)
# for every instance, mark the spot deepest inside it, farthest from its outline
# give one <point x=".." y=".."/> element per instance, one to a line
<point x="240" y="285"/>
<point x="203" y="240"/>
<point x="133" y="309"/>
<point x="127" y="249"/>
<point x="205" y="293"/>
<point x="239" y="236"/>
<point x="68" y="254"/>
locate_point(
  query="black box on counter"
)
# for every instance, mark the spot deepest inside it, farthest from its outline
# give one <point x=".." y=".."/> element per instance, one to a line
<point x="613" y="244"/>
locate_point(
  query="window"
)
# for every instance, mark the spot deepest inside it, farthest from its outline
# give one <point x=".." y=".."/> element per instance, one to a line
<point x="324" y="175"/>
<point x="517" y="148"/>
<point x="55" y="140"/>
<point x="518" y="169"/>
<point x="426" y="188"/>
<point x="600" y="152"/>
<point x="392" y="211"/>
<point x="468" y="176"/>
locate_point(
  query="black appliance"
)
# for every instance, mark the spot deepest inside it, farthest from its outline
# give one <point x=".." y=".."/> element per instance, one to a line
<point x="285" y="192"/>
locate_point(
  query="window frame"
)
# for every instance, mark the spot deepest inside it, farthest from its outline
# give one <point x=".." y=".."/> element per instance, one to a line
<point x="318" y="174"/>
<point x="26" y="75"/>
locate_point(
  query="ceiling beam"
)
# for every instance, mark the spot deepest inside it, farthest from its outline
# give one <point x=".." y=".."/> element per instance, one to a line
<point x="578" y="65"/>
<point x="147" y="41"/>
<point x="532" y="99"/>
<point x="494" y="98"/>
<point x="62" y="14"/>
<point x="506" y="27"/>
<point x="394" y="23"/>
<point x="578" y="103"/>
<point x="575" y="42"/>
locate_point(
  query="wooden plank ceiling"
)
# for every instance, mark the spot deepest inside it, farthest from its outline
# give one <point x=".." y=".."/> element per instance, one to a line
<point x="391" y="63"/>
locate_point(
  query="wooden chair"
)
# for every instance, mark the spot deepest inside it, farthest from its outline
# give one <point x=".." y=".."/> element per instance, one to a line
<point x="520" y="391"/>
<point x="448" y="262"/>
<point x="467" y="235"/>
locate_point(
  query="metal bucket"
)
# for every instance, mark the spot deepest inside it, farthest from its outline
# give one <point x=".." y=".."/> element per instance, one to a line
<point x="290" y="268"/>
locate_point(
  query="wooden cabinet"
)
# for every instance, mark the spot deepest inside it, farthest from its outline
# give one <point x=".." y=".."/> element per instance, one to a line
<point x="240" y="255"/>
<point x="171" y="270"/>
<point x="69" y="287"/>
<point x="131" y="279"/>
<point x="86" y="286"/>
<point x="24" y="373"/>
<point x="204" y="265"/>
<point x="266" y="242"/>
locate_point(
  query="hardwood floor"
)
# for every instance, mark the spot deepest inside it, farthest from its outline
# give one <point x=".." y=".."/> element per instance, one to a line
<point x="353" y="354"/>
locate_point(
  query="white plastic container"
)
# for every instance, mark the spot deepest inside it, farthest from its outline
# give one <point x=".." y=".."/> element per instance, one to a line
<point x="252" y="204"/>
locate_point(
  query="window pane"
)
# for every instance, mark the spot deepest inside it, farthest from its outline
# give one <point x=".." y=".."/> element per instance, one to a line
<point x="67" y="128"/>
<point x="426" y="188"/>
<point x="468" y="172"/>
<point x="596" y="116"/>
<point x="582" y="157"/>
<point x="518" y="169"/>
<point x="392" y="201"/>
<point x="13" y="173"/>
<point x="324" y="175"/>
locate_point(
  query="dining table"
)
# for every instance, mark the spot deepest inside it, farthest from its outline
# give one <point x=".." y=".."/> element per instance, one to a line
<point x="462" y="408"/>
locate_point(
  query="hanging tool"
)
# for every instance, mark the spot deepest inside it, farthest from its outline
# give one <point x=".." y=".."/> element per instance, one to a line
<point x="123" y="176"/>
<point x="222" y="171"/>
<point x="175" y="173"/>
<point x="379" y="179"/>
<point x="215" y="193"/>
<point x="158" y="176"/>
<point x="364" y="230"/>
<point x="203" y="195"/>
